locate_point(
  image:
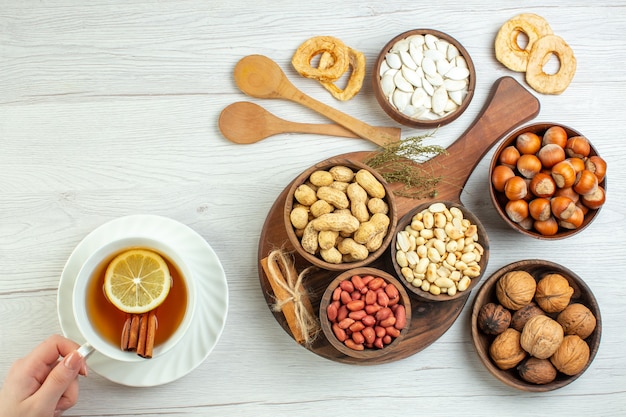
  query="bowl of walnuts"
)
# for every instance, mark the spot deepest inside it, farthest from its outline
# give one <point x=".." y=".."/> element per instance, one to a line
<point x="536" y="325"/>
<point x="340" y="214"/>
<point x="547" y="181"/>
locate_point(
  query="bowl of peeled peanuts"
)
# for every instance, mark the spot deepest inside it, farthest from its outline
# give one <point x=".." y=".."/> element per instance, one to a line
<point x="339" y="214"/>
<point x="440" y="251"/>
<point x="365" y="313"/>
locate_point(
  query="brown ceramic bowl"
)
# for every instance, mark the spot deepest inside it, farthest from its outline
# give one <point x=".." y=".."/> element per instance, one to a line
<point x="408" y="117"/>
<point x="416" y="290"/>
<point x="316" y="259"/>
<point x="500" y="200"/>
<point x="487" y="294"/>
<point x="327" y="299"/>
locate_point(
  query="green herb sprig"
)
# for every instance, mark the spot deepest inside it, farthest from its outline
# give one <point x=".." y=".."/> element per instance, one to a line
<point x="400" y="162"/>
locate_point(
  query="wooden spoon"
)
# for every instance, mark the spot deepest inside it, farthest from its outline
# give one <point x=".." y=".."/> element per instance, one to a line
<point x="258" y="76"/>
<point x="245" y="122"/>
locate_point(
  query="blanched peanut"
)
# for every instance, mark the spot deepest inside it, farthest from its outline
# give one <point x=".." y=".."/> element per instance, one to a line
<point x="449" y="253"/>
<point x="373" y="320"/>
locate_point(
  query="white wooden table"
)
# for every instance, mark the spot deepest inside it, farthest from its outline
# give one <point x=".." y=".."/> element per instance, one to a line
<point x="109" y="108"/>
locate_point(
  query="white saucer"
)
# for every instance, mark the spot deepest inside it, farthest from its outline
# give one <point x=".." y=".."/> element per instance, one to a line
<point x="211" y="309"/>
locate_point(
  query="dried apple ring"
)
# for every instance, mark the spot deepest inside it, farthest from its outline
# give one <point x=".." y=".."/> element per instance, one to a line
<point x="355" y="82"/>
<point x="508" y="50"/>
<point x="540" y="54"/>
<point x="312" y="47"/>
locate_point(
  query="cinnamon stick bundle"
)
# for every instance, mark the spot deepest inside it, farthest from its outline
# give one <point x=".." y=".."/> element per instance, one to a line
<point x="139" y="332"/>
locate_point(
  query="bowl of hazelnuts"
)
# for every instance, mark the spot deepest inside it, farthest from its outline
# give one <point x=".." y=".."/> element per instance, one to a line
<point x="536" y="325"/>
<point x="547" y="181"/>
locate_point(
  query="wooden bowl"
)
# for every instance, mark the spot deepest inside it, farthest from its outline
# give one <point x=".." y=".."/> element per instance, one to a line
<point x="403" y="118"/>
<point x="367" y="353"/>
<point x="487" y="294"/>
<point x="499" y="200"/>
<point x="483" y="240"/>
<point x="316" y="259"/>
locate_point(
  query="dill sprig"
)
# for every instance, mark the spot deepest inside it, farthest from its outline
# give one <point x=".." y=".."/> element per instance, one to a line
<point x="400" y="162"/>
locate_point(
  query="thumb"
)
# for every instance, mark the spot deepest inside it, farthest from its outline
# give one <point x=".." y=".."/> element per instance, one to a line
<point x="60" y="378"/>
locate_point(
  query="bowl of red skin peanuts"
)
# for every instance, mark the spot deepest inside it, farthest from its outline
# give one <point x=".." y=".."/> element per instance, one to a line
<point x="365" y="313"/>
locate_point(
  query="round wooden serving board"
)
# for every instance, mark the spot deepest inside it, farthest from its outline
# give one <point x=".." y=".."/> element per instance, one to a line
<point x="508" y="106"/>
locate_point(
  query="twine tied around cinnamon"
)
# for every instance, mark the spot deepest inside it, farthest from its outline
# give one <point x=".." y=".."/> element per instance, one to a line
<point x="291" y="297"/>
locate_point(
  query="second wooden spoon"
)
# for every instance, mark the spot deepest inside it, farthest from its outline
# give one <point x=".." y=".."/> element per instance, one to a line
<point x="245" y="122"/>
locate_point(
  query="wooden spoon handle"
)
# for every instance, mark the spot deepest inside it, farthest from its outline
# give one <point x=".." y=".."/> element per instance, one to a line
<point x="331" y="129"/>
<point x="376" y="135"/>
<point x="508" y="105"/>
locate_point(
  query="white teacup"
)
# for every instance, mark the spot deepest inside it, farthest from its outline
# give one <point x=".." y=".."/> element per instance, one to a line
<point x="97" y="262"/>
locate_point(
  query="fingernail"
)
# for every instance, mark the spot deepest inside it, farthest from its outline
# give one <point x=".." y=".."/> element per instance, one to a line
<point x="73" y="361"/>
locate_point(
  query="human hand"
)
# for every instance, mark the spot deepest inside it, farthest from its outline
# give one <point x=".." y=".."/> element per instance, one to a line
<point x="41" y="385"/>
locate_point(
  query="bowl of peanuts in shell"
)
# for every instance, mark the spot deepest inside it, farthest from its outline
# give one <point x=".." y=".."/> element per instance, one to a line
<point x="424" y="78"/>
<point x="365" y="313"/>
<point x="340" y="214"/>
<point x="439" y="251"/>
<point x="547" y="181"/>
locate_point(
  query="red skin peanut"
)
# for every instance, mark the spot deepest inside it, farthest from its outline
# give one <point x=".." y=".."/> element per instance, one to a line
<point x="332" y="310"/>
<point x="358" y="283"/>
<point x="400" y="314"/>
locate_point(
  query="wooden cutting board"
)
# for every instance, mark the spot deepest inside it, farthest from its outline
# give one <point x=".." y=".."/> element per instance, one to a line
<point x="508" y="106"/>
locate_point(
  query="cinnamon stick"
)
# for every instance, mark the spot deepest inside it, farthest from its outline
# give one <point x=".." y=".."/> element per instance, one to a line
<point x="288" y="308"/>
<point x="143" y="334"/>
<point x="134" y="332"/>
<point x="126" y="332"/>
<point x="139" y="333"/>
<point x="150" y="334"/>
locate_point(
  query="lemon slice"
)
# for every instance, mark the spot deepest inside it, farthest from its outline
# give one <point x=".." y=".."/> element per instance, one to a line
<point x="137" y="281"/>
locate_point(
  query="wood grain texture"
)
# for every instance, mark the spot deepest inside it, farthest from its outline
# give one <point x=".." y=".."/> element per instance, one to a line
<point x="109" y="108"/>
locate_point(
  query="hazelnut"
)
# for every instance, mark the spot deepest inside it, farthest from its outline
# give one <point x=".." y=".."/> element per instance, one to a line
<point x="521" y="316"/>
<point x="515" y="289"/>
<point x="493" y="318"/>
<point x="577" y="319"/>
<point x="541" y="336"/>
<point x="506" y="351"/>
<point x="537" y="371"/>
<point x="553" y="293"/>
<point x="572" y="355"/>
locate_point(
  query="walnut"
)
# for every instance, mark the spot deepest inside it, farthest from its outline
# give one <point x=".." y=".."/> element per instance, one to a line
<point x="493" y="318"/>
<point x="516" y="289"/>
<point x="572" y="356"/>
<point x="553" y="293"/>
<point x="521" y="316"/>
<point x="505" y="350"/>
<point x="577" y="319"/>
<point x="541" y="336"/>
<point x="537" y="371"/>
